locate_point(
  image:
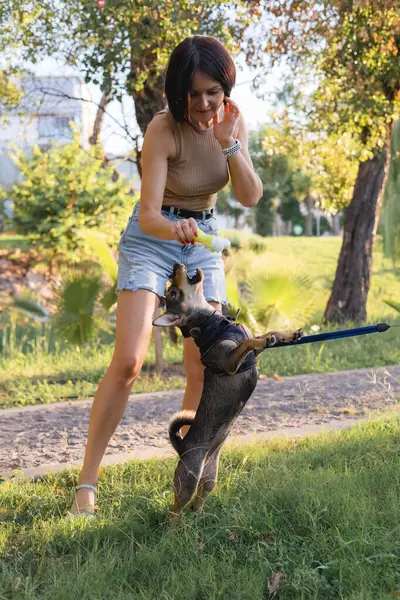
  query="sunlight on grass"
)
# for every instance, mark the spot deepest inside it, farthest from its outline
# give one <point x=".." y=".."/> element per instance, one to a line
<point x="324" y="511"/>
<point x="38" y="375"/>
<point x="8" y="241"/>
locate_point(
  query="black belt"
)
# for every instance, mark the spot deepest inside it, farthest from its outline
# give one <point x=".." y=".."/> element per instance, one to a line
<point x="182" y="213"/>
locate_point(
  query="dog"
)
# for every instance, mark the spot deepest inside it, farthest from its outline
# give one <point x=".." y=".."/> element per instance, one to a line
<point x="228" y="353"/>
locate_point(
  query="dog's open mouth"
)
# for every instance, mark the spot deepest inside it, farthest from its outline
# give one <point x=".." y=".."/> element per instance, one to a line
<point x="196" y="278"/>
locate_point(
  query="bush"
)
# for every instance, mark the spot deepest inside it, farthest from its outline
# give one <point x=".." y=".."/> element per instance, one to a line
<point x="64" y="191"/>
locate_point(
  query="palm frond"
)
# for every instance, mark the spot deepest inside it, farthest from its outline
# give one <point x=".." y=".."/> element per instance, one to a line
<point x="75" y="319"/>
<point x="280" y="299"/>
<point x="109" y="298"/>
<point x="235" y="299"/>
<point x="392" y="304"/>
<point x="32" y="308"/>
<point x="102" y="252"/>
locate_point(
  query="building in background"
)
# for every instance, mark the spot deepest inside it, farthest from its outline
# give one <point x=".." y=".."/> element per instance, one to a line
<point x="47" y="109"/>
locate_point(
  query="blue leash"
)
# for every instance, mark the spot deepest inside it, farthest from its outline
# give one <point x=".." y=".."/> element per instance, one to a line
<point x="333" y="335"/>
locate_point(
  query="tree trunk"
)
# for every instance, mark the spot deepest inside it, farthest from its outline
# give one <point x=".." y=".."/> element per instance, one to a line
<point x="98" y="122"/>
<point x="309" y="222"/>
<point x="350" y="289"/>
<point x="149" y="100"/>
<point x="336" y="224"/>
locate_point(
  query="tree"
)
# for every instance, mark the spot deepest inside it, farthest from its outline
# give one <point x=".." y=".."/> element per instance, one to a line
<point x="351" y="49"/>
<point x="312" y="170"/>
<point x="227" y="205"/>
<point x="9" y="92"/>
<point x="125" y="46"/>
<point x="289" y="206"/>
<point x="391" y="199"/>
<point x="274" y="172"/>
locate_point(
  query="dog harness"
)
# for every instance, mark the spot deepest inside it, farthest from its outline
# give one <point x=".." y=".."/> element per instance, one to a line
<point x="215" y="329"/>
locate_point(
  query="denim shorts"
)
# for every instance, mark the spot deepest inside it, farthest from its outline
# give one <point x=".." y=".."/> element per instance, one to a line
<point x="146" y="262"/>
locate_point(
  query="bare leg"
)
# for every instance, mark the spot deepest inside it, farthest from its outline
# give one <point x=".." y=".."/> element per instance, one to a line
<point x="194" y="374"/>
<point x="134" y="326"/>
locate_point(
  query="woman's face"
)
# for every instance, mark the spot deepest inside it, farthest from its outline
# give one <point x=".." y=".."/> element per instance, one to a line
<point x="205" y="99"/>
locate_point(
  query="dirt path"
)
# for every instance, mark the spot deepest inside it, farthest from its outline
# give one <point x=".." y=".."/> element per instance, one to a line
<point x="56" y="433"/>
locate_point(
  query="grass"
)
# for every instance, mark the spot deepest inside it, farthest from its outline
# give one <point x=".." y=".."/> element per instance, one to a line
<point x="35" y="370"/>
<point x="9" y="241"/>
<point x="40" y="378"/>
<point x="317" y="258"/>
<point x="325" y="511"/>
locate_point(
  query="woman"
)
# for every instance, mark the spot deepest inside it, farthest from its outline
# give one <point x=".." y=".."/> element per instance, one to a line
<point x="189" y="152"/>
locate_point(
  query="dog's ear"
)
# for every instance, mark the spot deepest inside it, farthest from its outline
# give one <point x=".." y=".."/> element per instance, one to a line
<point x="166" y="320"/>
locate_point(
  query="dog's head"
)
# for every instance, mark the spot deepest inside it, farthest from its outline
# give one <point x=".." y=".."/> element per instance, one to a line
<point x="183" y="298"/>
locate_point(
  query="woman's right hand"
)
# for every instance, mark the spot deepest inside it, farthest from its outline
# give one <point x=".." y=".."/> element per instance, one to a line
<point x="185" y="230"/>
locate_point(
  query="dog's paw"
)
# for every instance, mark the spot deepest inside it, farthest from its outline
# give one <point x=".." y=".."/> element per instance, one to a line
<point x="297" y="335"/>
<point x="270" y="340"/>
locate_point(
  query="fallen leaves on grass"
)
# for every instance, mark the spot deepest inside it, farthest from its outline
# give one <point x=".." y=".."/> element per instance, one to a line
<point x="274" y="376"/>
<point x="275" y="582"/>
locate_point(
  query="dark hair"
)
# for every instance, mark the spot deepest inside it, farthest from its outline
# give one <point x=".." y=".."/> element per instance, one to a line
<point x="198" y="53"/>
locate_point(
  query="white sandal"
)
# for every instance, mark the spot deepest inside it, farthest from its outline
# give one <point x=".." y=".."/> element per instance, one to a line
<point x="87" y="510"/>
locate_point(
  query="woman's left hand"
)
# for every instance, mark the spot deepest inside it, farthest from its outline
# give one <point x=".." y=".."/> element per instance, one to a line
<point x="226" y="130"/>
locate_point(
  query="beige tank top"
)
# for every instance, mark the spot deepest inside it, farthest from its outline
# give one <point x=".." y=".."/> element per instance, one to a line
<point x="198" y="171"/>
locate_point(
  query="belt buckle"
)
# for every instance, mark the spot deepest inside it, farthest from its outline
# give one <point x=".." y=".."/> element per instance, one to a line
<point x="178" y="212"/>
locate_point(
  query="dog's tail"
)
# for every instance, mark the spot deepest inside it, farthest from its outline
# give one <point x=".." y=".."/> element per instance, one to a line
<point x="184" y="417"/>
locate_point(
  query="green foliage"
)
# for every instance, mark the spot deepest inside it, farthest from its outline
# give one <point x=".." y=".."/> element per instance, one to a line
<point x="234" y="239"/>
<point x="273" y="172"/>
<point x="27" y="304"/>
<point x="264" y="213"/>
<point x="125" y="46"/>
<point x="346" y="55"/>
<point x="226" y="205"/>
<point x="289" y="206"/>
<point x="83" y="299"/>
<point x="279" y="299"/>
<point x="319" y="167"/>
<point x="64" y="191"/>
<point x="361" y="68"/>
<point x="9" y="92"/>
<point x="102" y="252"/>
<point x="257" y="243"/>
<point x="392" y="304"/>
<point x="37" y="367"/>
<point x="349" y="51"/>
<point x="267" y="298"/>
<point x="75" y="319"/>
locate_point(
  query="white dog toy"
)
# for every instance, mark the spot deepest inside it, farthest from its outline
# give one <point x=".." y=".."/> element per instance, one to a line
<point x="213" y="242"/>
